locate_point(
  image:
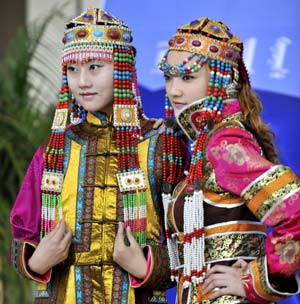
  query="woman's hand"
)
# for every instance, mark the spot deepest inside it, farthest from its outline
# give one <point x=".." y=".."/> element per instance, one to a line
<point x="131" y="258"/>
<point x="224" y="280"/>
<point x="158" y="122"/>
<point x="52" y="250"/>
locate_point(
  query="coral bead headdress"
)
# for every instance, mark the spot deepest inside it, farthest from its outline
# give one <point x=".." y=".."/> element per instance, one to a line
<point x="97" y="35"/>
<point x="208" y="42"/>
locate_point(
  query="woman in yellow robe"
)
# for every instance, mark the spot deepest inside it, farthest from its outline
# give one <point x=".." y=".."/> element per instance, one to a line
<point x="100" y="174"/>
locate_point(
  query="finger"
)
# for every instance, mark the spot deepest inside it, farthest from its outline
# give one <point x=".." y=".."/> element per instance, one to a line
<point x="67" y="237"/>
<point x="218" y="292"/>
<point x="210" y="283"/>
<point x="221" y="269"/>
<point x="215" y="284"/>
<point x="130" y="236"/>
<point x="158" y="123"/>
<point x="119" y="240"/>
<point x="240" y="264"/>
<point x="59" y="233"/>
<point x="54" y="231"/>
<point x="217" y="269"/>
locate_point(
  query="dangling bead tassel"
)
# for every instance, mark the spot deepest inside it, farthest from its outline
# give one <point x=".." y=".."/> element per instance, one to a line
<point x="193" y="237"/>
<point x="171" y="241"/>
<point x="187" y="231"/>
<point x="78" y="114"/>
<point x="53" y="175"/>
<point x="198" y="239"/>
<point x="131" y="178"/>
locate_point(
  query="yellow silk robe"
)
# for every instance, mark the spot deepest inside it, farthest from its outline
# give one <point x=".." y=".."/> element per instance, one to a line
<point x="91" y="209"/>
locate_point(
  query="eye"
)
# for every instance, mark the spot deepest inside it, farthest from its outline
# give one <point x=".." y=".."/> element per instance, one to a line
<point x="167" y="77"/>
<point x="95" y="66"/>
<point x="71" y="68"/>
<point x="187" y="77"/>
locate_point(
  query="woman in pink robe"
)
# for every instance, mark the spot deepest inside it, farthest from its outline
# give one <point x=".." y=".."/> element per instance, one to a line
<point x="220" y="251"/>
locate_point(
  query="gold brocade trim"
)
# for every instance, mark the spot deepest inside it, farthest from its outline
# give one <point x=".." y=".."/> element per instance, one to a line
<point x="222" y="198"/>
<point x="276" y="197"/>
<point x="237" y="116"/>
<point x="234" y="227"/>
<point x="264" y="190"/>
<point x="276" y="190"/>
<point x="264" y="180"/>
<point x="234" y="245"/>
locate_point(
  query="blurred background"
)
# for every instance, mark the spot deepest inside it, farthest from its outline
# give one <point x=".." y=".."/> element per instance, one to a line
<point x="30" y="70"/>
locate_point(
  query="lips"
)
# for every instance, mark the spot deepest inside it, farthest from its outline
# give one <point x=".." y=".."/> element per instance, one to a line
<point x="178" y="104"/>
<point x="87" y="95"/>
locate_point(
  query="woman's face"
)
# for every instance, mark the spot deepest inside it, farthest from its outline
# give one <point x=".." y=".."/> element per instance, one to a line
<point x="92" y="85"/>
<point x="182" y="90"/>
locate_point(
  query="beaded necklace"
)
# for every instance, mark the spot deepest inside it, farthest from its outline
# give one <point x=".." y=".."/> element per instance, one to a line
<point x="52" y="179"/>
<point x="131" y="178"/>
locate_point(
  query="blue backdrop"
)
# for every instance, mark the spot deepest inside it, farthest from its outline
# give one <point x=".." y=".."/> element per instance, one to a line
<point x="271" y="34"/>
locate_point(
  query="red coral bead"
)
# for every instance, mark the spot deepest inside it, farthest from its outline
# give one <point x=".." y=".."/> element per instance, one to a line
<point x="189" y="189"/>
<point x="180" y="40"/>
<point x="213" y="48"/>
<point x="114" y="35"/>
<point x="82" y="33"/>
<point x="171" y="42"/>
<point x="229" y="53"/>
<point x="196" y="43"/>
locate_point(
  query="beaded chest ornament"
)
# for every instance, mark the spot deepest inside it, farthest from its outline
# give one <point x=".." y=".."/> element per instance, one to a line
<point x="209" y="42"/>
<point x="97" y="35"/>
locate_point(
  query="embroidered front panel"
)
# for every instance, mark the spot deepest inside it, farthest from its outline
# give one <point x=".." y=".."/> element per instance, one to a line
<point x="120" y="286"/>
<point x="84" y="287"/>
<point x="90" y="163"/>
<point x="84" y="195"/>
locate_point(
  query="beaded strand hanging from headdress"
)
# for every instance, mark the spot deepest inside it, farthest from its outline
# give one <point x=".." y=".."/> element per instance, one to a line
<point x="209" y="42"/>
<point x="97" y="35"/>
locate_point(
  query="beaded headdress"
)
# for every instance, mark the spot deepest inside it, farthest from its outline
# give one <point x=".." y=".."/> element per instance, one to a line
<point x="208" y="42"/>
<point x="97" y="35"/>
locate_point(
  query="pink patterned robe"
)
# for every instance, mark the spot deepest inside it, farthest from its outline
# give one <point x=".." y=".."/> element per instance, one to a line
<point x="244" y="194"/>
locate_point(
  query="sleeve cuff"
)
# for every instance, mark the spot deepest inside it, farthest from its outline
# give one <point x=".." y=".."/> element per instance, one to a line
<point x="135" y="282"/>
<point x="21" y="251"/>
<point x="258" y="288"/>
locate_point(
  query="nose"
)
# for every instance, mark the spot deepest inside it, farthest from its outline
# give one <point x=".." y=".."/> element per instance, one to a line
<point x="173" y="87"/>
<point x="84" y="79"/>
